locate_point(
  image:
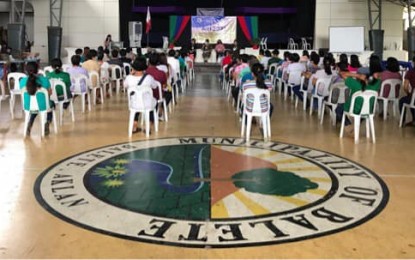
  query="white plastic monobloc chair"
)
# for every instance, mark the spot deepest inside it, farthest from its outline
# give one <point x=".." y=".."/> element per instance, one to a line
<point x="95" y="85"/>
<point x="272" y="70"/>
<point x="140" y="101"/>
<point x="13" y="82"/>
<point x="3" y="95"/>
<point x="48" y="69"/>
<point x="322" y="90"/>
<point x="293" y="77"/>
<point x="126" y="69"/>
<point x="162" y="101"/>
<point x="37" y="103"/>
<point x="77" y="81"/>
<point x="338" y="94"/>
<point x="253" y="107"/>
<point x="105" y="81"/>
<point x="366" y="112"/>
<point x="394" y="86"/>
<point x="116" y="76"/>
<point x="409" y="106"/>
<point x="190" y="70"/>
<point x="304" y="44"/>
<point x="59" y="101"/>
<point x="278" y="82"/>
<point x="292" y="45"/>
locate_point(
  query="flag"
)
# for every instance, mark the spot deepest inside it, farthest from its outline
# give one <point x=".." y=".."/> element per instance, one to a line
<point x="148" y="20"/>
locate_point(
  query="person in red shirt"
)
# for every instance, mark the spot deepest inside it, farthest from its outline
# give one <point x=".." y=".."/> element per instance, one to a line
<point x="159" y="76"/>
<point x="227" y="59"/>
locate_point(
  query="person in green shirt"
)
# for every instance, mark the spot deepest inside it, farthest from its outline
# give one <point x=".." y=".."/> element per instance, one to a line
<point x="357" y="82"/>
<point x="32" y="83"/>
<point x="274" y="58"/>
<point x="64" y="76"/>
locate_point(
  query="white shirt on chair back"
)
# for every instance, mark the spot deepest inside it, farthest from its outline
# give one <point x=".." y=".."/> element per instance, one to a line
<point x="132" y="81"/>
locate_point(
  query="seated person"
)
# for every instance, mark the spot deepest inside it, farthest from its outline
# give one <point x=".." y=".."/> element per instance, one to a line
<point x="32" y="83"/>
<point x="356" y="82"/>
<point x="138" y="78"/>
<point x="207" y="51"/>
<point x="354" y="63"/>
<point x="408" y="88"/>
<point x="58" y="73"/>
<point x="220" y="50"/>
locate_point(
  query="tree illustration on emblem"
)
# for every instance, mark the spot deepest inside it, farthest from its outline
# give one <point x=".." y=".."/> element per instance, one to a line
<point x="270" y="181"/>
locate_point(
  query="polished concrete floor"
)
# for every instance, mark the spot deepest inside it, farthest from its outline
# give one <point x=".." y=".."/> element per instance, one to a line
<point x="27" y="230"/>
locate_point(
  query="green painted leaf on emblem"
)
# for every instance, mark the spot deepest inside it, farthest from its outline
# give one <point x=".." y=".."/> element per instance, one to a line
<point x="272" y="182"/>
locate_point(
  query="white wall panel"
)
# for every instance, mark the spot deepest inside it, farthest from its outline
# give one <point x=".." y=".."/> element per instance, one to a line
<point x="346" y="13"/>
<point x="84" y="23"/>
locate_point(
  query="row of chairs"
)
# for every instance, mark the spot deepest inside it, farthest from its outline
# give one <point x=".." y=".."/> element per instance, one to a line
<point x="292" y="45"/>
<point x="329" y="95"/>
<point x="139" y="96"/>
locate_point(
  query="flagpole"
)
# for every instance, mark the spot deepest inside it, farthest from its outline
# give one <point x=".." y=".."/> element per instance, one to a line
<point x="148" y="25"/>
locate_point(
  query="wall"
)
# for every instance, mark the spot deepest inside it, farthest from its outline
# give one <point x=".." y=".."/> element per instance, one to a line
<point x="84" y="23"/>
<point x="355" y="13"/>
<point x="87" y="22"/>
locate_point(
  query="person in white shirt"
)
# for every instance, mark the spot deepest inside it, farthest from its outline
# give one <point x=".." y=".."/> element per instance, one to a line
<point x="174" y="63"/>
<point x="132" y="81"/>
<point x="294" y="72"/>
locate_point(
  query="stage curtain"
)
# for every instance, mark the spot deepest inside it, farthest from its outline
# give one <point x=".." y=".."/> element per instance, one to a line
<point x="177" y="26"/>
<point x="249" y="26"/>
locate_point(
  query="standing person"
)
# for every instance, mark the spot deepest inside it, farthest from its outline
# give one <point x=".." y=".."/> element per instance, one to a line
<point x="108" y="42"/>
<point x="32" y="83"/>
<point x="206" y="50"/>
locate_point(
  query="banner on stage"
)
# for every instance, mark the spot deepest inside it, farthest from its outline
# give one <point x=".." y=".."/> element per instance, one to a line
<point x="214" y="28"/>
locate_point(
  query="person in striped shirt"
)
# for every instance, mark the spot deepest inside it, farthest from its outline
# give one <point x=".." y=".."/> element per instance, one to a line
<point x="259" y="81"/>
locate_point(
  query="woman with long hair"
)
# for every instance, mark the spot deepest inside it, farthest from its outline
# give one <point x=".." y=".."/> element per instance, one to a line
<point x="259" y="81"/>
<point x="58" y="73"/>
<point x="32" y="83"/>
<point x="107" y="42"/>
<point x="354" y="63"/>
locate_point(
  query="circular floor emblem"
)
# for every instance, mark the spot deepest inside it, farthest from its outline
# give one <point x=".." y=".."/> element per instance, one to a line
<point x="211" y="192"/>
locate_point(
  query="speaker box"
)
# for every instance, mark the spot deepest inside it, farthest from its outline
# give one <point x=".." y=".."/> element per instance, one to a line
<point x="54" y="42"/>
<point x="376" y="41"/>
<point x="411" y="42"/>
<point x="16" y="38"/>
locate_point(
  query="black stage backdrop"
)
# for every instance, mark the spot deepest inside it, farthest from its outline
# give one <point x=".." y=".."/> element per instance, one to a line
<point x="277" y="19"/>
